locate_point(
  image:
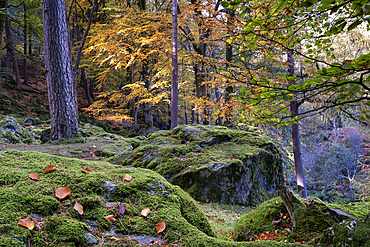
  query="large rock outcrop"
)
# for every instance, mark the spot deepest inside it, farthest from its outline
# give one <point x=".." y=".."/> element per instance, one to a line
<point x="102" y="192"/>
<point x="212" y="163"/>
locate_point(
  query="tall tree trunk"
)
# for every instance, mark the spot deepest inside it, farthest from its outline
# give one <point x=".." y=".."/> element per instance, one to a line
<point x="3" y="5"/>
<point x="86" y="86"/>
<point x="148" y="114"/>
<point x="25" y="74"/>
<point x="59" y="74"/>
<point x="9" y="37"/>
<point x="229" y="54"/>
<point x="299" y="171"/>
<point x="175" y="70"/>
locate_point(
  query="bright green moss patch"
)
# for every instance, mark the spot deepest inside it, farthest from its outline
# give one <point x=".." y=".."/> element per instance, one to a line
<point x="58" y="224"/>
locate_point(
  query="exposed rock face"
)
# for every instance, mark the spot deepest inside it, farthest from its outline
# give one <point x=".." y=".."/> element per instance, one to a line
<point x="141" y="130"/>
<point x="12" y="132"/>
<point x="212" y="163"/>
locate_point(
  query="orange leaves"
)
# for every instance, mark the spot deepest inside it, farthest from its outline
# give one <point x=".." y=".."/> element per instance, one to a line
<point x="127" y="177"/>
<point x="49" y="168"/>
<point x="62" y="192"/>
<point x="86" y="170"/>
<point x="145" y="212"/>
<point x="267" y="236"/>
<point x="29" y="224"/>
<point x="110" y="218"/>
<point x="34" y="176"/>
<point x="160" y="227"/>
<point x="79" y="208"/>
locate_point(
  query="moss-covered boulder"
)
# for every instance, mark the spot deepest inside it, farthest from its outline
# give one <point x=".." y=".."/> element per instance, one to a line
<point x="102" y="192"/>
<point x="312" y="218"/>
<point x="12" y="132"/>
<point x="212" y="163"/>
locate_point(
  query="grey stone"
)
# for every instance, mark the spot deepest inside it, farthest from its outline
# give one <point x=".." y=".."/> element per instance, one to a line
<point x="90" y="238"/>
<point x="197" y="148"/>
<point x="143" y="239"/>
<point x="111" y="188"/>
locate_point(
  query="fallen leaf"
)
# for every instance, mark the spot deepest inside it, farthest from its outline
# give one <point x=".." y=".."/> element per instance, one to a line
<point x="86" y="170"/>
<point x="62" y="192"/>
<point x="110" y="218"/>
<point x="114" y="238"/>
<point x="34" y="176"/>
<point x="299" y="241"/>
<point x="145" y="212"/>
<point x="49" y="168"/>
<point x="29" y="224"/>
<point x="79" y="208"/>
<point x="160" y="226"/>
<point x="121" y="208"/>
<point x="277" y="202"/>
<point x="127" y="177"/>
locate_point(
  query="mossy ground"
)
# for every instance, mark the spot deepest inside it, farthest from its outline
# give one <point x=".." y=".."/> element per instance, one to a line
<point x="58" y="224"/>
<point x="312" y="219"/>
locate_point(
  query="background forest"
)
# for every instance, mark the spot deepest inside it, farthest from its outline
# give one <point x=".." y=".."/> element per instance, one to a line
<point x="298" y="70"/>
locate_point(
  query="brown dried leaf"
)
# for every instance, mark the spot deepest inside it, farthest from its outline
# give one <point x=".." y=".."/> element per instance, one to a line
<point x="160" y="226"/>
<point x="110" y="218"/>
<point x="34" y="176"/>
<point x="49" y="168"/>
<point x="62" y="192"/>
<point x="29" y="224"/>
<point x="299" y="241"/>
<point x="127" y="177"/>
<point x="79" y="208"/>
<point x="145" y="212"/>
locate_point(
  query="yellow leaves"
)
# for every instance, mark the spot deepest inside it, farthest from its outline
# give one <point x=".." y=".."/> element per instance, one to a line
<point x="29" y="224"/>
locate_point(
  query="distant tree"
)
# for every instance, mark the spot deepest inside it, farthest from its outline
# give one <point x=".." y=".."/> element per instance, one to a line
<point x="59" y="74"/>
<point x="175" y="91"/>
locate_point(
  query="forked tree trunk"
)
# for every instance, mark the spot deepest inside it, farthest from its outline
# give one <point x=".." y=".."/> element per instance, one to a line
<point x="59" y="74"/>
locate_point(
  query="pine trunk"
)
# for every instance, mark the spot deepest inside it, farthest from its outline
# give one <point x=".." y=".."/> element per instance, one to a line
<point x="25" y="73"/>
<point x="59" y="76"/>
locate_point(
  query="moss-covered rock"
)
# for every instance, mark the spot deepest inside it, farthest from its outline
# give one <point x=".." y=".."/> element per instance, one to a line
<point x="312" y="218"/>
<point x="212" y="163"/>
<point x="12" y="132"/>
<point x="350" y="233"/>
<point x="59" y="224"/>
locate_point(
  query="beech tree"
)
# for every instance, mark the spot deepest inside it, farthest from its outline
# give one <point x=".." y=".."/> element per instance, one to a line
<point x="175" y="93"/>
<point x="59" y="73"/>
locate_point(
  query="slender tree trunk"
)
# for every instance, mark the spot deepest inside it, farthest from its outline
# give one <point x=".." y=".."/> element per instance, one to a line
<point x="3" y="5"/>
<point x="229" y="54"/>
<point x="175" y="70"/>
<point x="25" y="74"/>
<point x="86" y="86"/>
<point x="301" y="182"/>
<point x="148" y="114"/>
<point x="59" y="73"/>
<point x="9" y="37"/>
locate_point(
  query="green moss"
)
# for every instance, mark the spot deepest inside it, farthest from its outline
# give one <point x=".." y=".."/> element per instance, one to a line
<point x="63" y="226"/>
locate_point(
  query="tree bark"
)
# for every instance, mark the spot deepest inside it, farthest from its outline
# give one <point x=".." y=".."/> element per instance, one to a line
<point x="175" y="70"/>
<point x="229" y="54"/>
<point x="25" y="74"/>
<point x="3" y="5"/>
<point x="86" y="86"/>
<point x="59" y="73"/>
<point x="9" y="37"/>
<point x="299" y="170"/>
